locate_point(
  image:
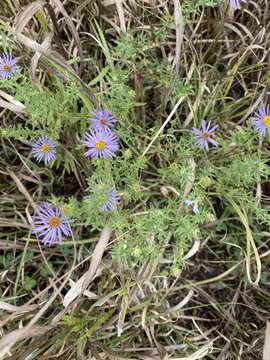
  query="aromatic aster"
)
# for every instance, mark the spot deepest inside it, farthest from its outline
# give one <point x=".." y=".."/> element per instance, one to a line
<point x="101" y="144"/>
<point x="102" y="119"/>
<point x="261" y="120"/>
<point x="205" y="134"/>
<point x="44" y="149"/>
<point x="112" y="199"/>
<point x="50" y="225"/>
<point x="7" y="66"/>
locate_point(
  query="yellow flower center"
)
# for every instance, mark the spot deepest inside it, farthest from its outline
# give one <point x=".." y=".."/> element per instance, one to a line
<point x="100" y="145"/>
<point x="54" y="222"/>
<point x="6" y="68"/>
<point x="205" y="135"/>
<point x="103" y="122"/>
<point x="45" y="148"/>
<point x="266" y="120"/>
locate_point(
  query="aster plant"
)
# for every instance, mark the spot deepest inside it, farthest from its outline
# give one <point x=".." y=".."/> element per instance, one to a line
<point x="7" y="66"/>
<point x="205" y="134"/>
<point x="111" y="200"/>
<point x="101" y="144"/>
<point x="44" y="149"/>
<point x="50" y="225"/>
<point x="102" y="119"/>
<point x="261" y="120"/>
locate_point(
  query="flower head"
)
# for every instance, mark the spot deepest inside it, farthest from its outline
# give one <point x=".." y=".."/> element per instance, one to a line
<point x="111" y="200"/>
<point x="44" y="149"/>
<point x="50" y="225"/>
<point x="261" y="120"/>
<point x="205" y="134"/>
<point x="7" y="66"/>
<point x="102" y="119"/>
<point x="101" y="144"/>
<point x="235" y="4"/>
<point x="192" y="204"/>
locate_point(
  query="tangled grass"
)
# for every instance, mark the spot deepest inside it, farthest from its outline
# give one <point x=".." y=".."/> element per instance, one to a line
<point x="181" y="269"/>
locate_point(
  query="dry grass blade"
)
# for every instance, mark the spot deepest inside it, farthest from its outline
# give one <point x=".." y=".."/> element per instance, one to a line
<point x="71" y="26"/>
<point x="120" y="10"/>
<point x="56" y="58"/>
<point x="47" y="305"/>
<point x="10" y="103"/>
<point x="199" y="354"/>
<point x="122" y="314"/>
<point x="194" y="107"/>
<point x="160" y="348"/>
<point x="98" y="253"/>
<point x="85" y="280"/>
<point x="12" y="100"/>
<point x="27" y="14"/>
<point x="179" y="27"/>
<point x="35" y="59"/>
<point x="266" y="347"/>
<point x="183" y="302"/>
<point x="193" y="250"/>
<point x="21" y="22"/>
<point x="251" y="245"/>
<point x="144" y="274"/>
<point x="15" y="312"/>
<point x="8" y="307"/>
<point x="252" y="108"/>
<point x="181" y="99"/>
<point x="13" y="224"/>
<point x="16" y="309"/>
<point x="9" y="340"/>
<point x="22" y="188"/>
<point x="56" y="30"/>
<point x="74" y="291"/>
<point x="12" y="107"/>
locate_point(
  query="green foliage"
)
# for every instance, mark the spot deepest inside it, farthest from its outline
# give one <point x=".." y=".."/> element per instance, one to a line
<point x="193" y="7"/>
<point x="18" y="132"/>
<point x="119" y="89"/>
<point x="243" y="171"/>
<point x="59" y="106"/>
<point x="130" y="47"/>
<point x="181" y="88"/>
<point x="6" y="259"/>
<point x="153" y="219"/>
<point x="46" y="269"/>
<point x="143" y="235"/>
<point x="75" y="324"/>
<point x="30" y="283"/>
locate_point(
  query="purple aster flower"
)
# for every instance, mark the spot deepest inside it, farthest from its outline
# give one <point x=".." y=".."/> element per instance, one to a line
<point x="236" y="4"/>
<point x="193" y="204"/>
<point x="261" y="120"/>
<point x="102" y="144"/>
<point x="205" y="134"/>
<point x="102" y="119"/>
<point x="111" y="200"/>
<point x="7" y="66"/>
<point x="50" y="225"/>
<point x="44" y="149"/>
